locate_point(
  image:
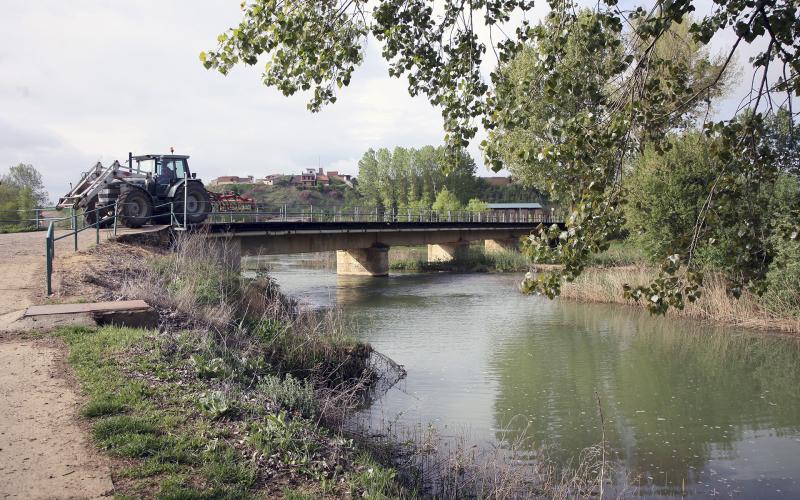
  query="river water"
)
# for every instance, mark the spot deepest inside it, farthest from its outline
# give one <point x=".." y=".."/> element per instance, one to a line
<point x="687" y="407"/>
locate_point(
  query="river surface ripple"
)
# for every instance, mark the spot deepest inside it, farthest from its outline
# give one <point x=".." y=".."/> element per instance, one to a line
<point x="688" y="407"/>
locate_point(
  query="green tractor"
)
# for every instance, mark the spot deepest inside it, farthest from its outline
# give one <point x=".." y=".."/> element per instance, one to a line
<point x="148" y="190"/>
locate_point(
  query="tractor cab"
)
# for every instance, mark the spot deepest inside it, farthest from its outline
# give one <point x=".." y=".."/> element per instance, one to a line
<point x="162" y="171"/>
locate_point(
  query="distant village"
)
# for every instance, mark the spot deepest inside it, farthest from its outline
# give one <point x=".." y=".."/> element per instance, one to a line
<point x="309" y="178"/>
<point x="316" y="177"/>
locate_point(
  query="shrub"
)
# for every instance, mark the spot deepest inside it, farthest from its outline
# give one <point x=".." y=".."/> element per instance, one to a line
<point x="215" y="404"/>
<point x="206" y="367"/>
<point x="445" y="201"/>
<point x="285" y="436"/>
<point x="290" y="393"/>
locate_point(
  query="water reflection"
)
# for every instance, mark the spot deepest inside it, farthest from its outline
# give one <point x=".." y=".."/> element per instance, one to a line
<point x="686" y="406"/>
<point x="676" y="397"/>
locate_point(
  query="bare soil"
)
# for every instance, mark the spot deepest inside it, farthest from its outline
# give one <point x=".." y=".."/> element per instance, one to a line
<point x="44" y="450"/>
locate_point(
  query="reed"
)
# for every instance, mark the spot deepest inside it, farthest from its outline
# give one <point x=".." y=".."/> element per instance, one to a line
<point x="605" y="285"/>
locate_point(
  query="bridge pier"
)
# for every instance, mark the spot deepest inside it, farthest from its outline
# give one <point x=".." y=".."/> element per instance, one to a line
<point x="372" y="261"/>
<point x="444" y="252"/>
<point x="501" y="245"/>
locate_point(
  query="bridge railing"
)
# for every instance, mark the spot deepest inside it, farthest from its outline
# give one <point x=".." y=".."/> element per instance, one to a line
<point x="107" y="218"/>
<point x="361" y="214"/>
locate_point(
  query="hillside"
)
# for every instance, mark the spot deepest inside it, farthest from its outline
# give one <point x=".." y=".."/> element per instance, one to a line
<point x="293" y="198"/>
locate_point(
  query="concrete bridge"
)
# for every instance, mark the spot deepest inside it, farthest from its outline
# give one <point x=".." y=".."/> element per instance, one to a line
<point x="362" y="247"/>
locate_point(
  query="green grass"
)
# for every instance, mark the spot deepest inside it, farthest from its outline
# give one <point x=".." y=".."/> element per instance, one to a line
<point x="15" y="228"/>
<point x="290" y="393"/>
<point x="377" y="482"/>
<point x="183" y="434"/>
<point x="130" y="419"/>
<point x="102" y="407"/>
<point x="215" y="412"/>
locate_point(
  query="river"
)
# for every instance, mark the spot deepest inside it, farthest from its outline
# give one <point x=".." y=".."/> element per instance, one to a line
<point x="687" y="407"/>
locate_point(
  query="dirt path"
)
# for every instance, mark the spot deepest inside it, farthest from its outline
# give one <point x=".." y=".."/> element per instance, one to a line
<point x="22" y="266"/>
<point x="20" y="259"/>
<point x="44" y="452"/>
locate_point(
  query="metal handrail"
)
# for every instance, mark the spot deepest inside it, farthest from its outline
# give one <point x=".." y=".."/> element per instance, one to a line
<point x="373" y="214"/>
<point x="50" y="238"/>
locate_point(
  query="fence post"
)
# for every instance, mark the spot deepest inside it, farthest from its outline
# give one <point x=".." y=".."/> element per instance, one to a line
<point x="185" y="197"/>
<point x="49" y="254"/>
<point x="72" y="220"/>
<point x="97" y="229"/>
<point x="75" y="228"/>
<point x="115" y="218"/>
<point x="48" y="269"/>
<point x="36" y="214"/>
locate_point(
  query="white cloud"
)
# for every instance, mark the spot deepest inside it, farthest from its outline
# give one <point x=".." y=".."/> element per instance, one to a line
<point x="97" y="79"/>
<point x="89" y="80"/>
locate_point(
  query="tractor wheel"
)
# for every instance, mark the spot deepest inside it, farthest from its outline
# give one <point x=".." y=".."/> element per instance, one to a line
<point x="198" y="203"/>
<point x="90" y="216"/>
<point x="135" y="208"/>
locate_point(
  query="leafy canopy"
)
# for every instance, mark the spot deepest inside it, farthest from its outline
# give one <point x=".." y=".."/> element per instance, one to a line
<point x="411" y="178"/>
<point x="476" y="205"/>
<point x="21" y="190"/>
<point x="639" y="90"/>
<point x="446" y="201"/>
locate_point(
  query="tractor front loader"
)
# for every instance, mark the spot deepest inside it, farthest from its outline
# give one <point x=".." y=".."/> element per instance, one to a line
<point x="147" y="192"/>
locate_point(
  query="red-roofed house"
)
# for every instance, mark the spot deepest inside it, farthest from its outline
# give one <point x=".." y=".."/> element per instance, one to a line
<point x="497" y="181"/>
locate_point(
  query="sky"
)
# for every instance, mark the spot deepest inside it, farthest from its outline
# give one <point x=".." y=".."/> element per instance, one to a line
<point x="89" y="80"/>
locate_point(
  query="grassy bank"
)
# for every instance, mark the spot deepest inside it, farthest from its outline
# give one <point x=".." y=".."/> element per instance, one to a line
<point x="238" y="393"/>
<point x="605" y="285"/>
<point x="15" y="228"/>
<point x="187" y="425"/>
<point x="242" y="393"/>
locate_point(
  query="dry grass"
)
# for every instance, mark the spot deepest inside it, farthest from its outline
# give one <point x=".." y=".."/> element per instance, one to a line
<point x="196" y="287"/>
<point x="605" y="286"/>
<point x="450" y="468"/>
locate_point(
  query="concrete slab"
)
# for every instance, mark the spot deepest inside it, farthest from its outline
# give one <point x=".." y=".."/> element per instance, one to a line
<point x="92" y="307"/>
<point x="47" y="323"/>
